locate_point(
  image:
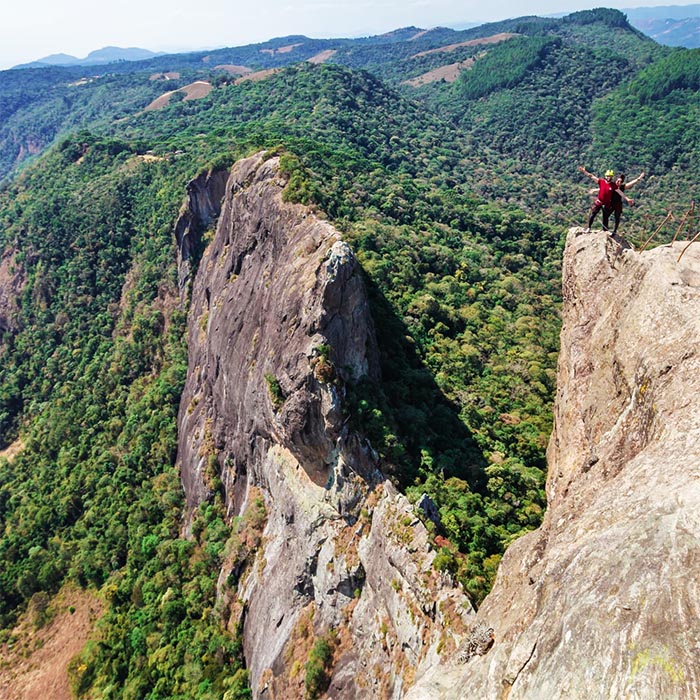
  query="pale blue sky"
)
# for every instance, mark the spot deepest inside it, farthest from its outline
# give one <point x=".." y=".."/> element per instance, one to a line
<point x="32" y="29"/>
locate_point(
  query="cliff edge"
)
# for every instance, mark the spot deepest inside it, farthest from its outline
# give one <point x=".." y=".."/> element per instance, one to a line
<point x="328" y="563"/>
<point x="602" y="600"/>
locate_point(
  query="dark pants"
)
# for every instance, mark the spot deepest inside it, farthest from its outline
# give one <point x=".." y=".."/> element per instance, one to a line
<point x="597" y="206"/>
<point x="617" y="208"/>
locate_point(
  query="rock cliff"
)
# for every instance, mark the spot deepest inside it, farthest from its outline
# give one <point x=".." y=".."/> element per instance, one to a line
<point x="325" y="549"/>
<point x="201" y="208"/>
<point x="12" y="282"/>
<point x="603" y="600"/>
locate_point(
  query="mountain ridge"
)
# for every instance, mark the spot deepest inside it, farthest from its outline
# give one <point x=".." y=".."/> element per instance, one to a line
<point x="672" y="25"/>
<point x="262" y="412"/>
<point x="105" y="55"/>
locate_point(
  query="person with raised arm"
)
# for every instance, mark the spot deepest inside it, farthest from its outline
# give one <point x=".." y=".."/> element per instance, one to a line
<point x="617" y="199"/>
<point x="604" y="200"/>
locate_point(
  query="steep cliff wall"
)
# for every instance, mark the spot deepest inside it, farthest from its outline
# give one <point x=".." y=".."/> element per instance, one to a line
<point x="279" y="327"/>
<point x="603" y="600"/>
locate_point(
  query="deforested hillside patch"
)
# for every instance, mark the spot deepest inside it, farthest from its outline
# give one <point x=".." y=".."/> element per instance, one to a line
<point x="495" y="39"/>
<point x="257" y="76"/>
<point x="38" y="655"/>
<point x="193" y="91"/>
<point x="172" y="75"/>
<point x="234" y="70"/>
<point x="323" y="56"/>
<point x="448" y="73"/>
<point x="281" y="49"/>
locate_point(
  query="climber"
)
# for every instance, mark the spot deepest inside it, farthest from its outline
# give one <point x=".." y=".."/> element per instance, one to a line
<point x="617" y="200"/>
<point x="604" y="201"/>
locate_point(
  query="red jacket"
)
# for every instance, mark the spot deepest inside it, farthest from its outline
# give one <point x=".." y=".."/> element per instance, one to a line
<point x="605" y="192"/>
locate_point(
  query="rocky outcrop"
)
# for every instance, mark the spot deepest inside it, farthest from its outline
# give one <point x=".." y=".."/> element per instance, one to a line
<point x="12" y="282"/>
<point x="200" y="210"/>
<point x="602" y="601"/>
<point x="279" y="328"/>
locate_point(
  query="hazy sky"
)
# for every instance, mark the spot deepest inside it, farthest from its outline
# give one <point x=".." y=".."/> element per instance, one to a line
<point x="32" y="29"/>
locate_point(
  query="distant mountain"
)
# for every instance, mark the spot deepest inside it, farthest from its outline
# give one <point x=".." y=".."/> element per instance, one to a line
<point x="663" y="12"/>
<point x="672" y="32"/>
<point x="114" y="53"/>
<point x="55" y="59"/>
<point x="108" y="54"/>
<point x="672" y="25"/>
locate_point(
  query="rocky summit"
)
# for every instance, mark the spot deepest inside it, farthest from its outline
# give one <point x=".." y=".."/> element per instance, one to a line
<point x="329" y="557"/>
<point x="602" y="600"/>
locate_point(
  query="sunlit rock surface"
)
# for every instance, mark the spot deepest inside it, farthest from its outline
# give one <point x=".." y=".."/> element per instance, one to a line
<point x="603" y="601"/>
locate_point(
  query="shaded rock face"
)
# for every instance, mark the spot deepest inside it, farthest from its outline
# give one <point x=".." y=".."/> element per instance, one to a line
<point x="201" y="208"/>
<point x="276" y="291"/>
<point x="602" y="601"/>
<point x="279" y="327"/>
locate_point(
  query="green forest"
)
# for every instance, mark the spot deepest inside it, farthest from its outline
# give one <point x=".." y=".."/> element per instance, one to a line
<point x="456" y="198"/>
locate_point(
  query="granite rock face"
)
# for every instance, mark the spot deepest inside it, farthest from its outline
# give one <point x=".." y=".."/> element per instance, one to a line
<point x="602" y="601"/>
<point x="279" y="329"/>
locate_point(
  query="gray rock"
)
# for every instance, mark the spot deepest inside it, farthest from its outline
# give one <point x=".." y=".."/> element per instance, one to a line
<point x="278" y="327"/>
<point x="200" y="210"/>
<point x="13" y="279"/>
